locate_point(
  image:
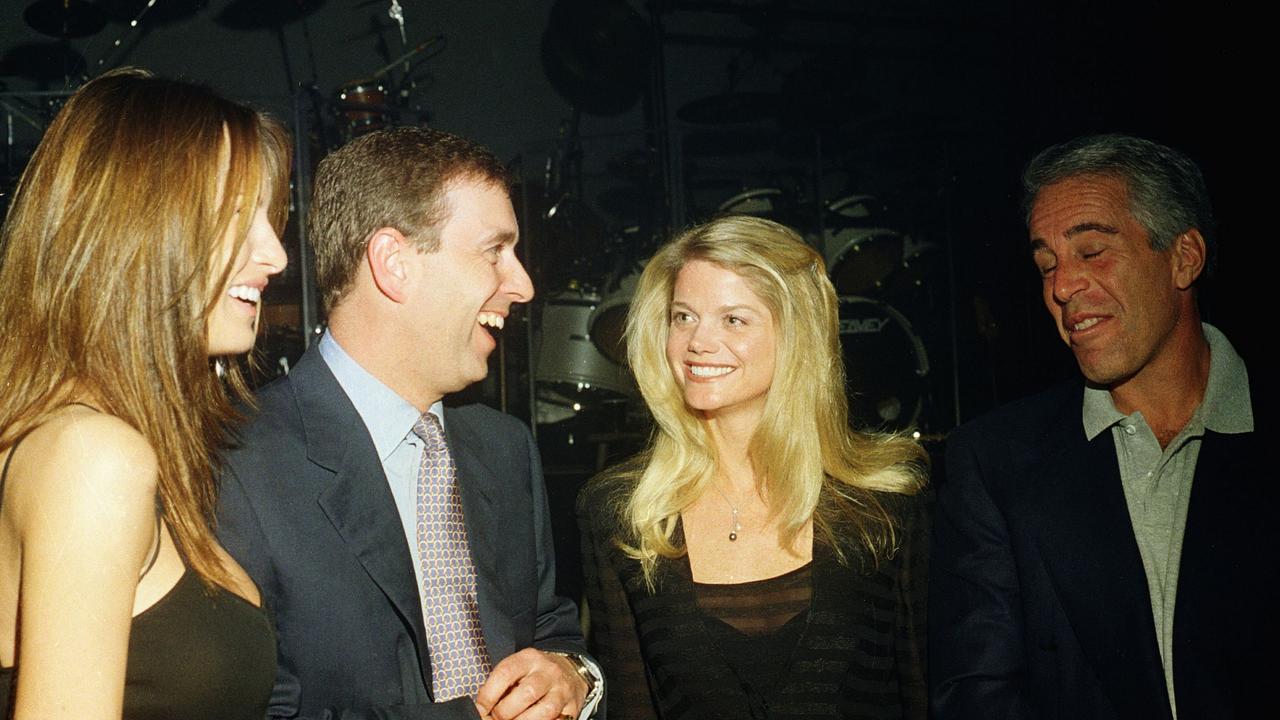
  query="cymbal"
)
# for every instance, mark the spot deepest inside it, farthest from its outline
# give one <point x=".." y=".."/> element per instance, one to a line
<point x="730" y="108"/>
<point x="265" y="14"/>
<point x="64" y="18"/>
<point x="596" y="54"/>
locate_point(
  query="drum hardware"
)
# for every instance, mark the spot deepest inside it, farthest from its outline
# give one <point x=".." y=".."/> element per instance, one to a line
<point x="885" y="363"/>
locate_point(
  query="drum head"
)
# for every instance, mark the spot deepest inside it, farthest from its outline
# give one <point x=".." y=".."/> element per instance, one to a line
<point x="609" y="319"/>
<point x="885" y="365"/>
<point x="570" y="370"/>
<point x="861" y="260"/>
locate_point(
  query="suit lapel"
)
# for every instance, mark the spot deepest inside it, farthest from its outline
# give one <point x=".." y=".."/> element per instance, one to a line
<point x="1087" y="542"/>
<point x="357" y="500"/>
<point x="479" y="487"/>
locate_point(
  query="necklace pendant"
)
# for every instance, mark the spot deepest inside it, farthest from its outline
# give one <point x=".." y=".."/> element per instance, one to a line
<point x="733" y="536"/>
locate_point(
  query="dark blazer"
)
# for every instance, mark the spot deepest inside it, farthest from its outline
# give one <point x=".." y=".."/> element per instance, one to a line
<point x="1038" y="602"/>
<point x="860" y="655"/>
<point x="306" y="508"/>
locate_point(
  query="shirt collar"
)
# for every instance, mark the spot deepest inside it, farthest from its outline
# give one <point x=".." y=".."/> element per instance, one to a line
<point x="388" y="417"/>
<point x="1226" y="407"/>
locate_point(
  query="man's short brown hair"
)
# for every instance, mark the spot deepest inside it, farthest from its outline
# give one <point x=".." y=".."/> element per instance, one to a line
<point x="390" y="178"/>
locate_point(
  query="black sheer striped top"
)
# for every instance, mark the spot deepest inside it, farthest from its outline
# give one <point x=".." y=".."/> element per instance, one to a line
<point x="829" y="640"/>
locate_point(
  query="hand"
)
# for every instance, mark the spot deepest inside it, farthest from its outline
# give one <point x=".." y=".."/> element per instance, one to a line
<point x="532" y="685"/>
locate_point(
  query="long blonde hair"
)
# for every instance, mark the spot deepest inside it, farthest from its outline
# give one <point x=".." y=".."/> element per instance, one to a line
<point x="108" y="275"/>
<point x="803" y="445"/>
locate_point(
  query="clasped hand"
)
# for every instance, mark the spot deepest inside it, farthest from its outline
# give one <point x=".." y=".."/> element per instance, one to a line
<point x="532" y="685"/>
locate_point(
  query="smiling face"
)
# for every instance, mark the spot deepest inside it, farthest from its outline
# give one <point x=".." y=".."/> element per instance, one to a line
<point x="721" y="343"/>
<point x="469" y="285"/>
<point x="1114" y="299"/>
<point x="233" y="322"/>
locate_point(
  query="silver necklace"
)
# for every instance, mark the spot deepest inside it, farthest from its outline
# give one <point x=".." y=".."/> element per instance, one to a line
<point x="736" y="526"/>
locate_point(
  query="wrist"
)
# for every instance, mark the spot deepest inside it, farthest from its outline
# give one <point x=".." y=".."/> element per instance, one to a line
<point x="590" y="674"/>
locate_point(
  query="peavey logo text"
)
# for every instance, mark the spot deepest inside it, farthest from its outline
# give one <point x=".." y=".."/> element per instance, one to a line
<point x="862" y="326"/>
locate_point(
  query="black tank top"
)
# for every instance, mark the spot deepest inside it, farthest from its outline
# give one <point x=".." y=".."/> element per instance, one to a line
<point x="194" y="655"/>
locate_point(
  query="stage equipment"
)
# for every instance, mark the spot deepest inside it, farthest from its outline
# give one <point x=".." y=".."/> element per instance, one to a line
<point x="596" y="54"/>
<point x="885" y="364"/>
<point x="570" y="372"/>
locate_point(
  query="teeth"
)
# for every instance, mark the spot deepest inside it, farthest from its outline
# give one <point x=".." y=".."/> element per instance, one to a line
<point x="709" y="371"/>
<point x="1084" y="324"/>
<point x="492" y="319"/>
<point x="246" y="293"/>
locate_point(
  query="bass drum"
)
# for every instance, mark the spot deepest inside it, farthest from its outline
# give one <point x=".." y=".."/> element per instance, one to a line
<point x="885" y="365"/>
<point x="609" y="319"/>
<point x="571" y="373"/>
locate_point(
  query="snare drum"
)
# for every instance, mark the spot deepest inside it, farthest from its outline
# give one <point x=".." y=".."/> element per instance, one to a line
<point x="885" y="363"/>
<point x="363" y="105"/>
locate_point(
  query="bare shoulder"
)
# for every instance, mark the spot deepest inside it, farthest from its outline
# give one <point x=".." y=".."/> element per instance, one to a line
<point x="83" y="462"/>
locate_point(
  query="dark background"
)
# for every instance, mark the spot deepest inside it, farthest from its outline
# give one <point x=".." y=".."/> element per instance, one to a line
<point x="931" y="106"/>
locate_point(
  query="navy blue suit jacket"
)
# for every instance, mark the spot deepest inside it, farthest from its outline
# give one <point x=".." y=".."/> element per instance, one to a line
<point x="305" y="507"/>
<point x="1038" y="602"/>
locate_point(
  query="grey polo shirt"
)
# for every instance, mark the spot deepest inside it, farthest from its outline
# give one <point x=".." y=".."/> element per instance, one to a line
<point x="1157" y="483"/>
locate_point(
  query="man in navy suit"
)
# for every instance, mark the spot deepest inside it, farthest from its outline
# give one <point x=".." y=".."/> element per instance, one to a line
<point x="1107" y="549"/>
<point x="326" y="499"/>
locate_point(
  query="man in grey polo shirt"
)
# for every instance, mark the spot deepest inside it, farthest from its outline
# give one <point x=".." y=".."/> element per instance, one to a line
<point x="1105" y="549"/>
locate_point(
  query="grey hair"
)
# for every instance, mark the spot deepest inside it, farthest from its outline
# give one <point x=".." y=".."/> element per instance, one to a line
<point x="1167" y="193"/>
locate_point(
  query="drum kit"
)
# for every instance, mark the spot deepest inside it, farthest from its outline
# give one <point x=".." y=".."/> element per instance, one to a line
<point x="870" y="264"/>
<point x="580" y="364"/>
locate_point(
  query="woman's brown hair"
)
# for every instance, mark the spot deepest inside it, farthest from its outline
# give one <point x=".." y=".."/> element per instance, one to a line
<point x="111" y="255"/>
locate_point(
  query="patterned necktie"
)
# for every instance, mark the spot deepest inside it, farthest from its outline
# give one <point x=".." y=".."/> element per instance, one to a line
<point x="459" y="660"/>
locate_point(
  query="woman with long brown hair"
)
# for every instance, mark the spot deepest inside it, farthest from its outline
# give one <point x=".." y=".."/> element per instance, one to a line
<point x="133" y="256"/>
<point x="760" y="559"/>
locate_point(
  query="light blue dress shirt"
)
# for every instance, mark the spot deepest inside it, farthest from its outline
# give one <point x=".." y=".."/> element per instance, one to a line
<point x="389" y="419"/>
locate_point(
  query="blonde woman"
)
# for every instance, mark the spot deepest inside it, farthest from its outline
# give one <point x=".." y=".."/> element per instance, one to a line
<point x="135" y="251"/>
<point x="760" y="559"/>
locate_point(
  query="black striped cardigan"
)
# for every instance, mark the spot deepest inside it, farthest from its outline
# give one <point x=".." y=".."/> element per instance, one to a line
<point x="861" y="654"/>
